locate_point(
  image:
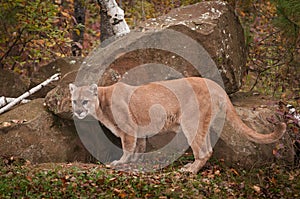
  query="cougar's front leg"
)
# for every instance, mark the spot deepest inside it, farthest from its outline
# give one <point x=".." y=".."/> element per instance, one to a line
<point x="128" y="146"/>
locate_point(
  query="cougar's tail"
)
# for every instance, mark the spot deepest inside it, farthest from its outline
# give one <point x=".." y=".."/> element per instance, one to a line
<point x="252" y="135"/>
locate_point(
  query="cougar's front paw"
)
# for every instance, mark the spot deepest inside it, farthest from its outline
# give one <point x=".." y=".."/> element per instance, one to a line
<point x="114" y="163"/>
<point x="187" y="168"/>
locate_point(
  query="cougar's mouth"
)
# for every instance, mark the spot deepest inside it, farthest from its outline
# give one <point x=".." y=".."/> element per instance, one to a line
<point x="81" y="115"/>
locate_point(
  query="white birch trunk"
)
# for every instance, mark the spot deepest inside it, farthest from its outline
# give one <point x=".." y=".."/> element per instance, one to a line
<point x="54" y="77"/>
<point x="5" y="100"/>
<point x="116" y="15"/>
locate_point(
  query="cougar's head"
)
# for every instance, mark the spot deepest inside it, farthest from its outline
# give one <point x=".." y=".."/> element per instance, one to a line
<point x="84" y="100"/>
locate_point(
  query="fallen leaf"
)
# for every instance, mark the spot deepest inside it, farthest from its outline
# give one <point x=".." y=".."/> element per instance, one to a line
<point x="291" y="177"/>
<point x="256" y="188"/>
<point x="234" y="171"/>
<point x="217" y="172"/>
<point x="122" y="195"/>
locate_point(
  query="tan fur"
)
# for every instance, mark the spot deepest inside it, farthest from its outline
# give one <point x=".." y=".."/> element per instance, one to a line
<point x="139" y="111"/>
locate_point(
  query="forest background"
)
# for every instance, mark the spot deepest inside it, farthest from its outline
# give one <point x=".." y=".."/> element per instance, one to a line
<point x="34" y="33"/>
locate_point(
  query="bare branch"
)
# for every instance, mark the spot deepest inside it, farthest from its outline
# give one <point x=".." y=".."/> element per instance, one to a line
<point x="54" y="77"/>
<point x="5" y="100"/>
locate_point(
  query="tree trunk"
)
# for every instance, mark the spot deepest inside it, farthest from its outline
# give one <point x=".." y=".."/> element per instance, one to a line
<point x="112" y="20"/>
<point x="106" y="29"/>
<point x="78" y="33"/>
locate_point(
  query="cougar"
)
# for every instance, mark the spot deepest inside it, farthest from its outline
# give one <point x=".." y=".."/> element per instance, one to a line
<point x="188" y="105"/>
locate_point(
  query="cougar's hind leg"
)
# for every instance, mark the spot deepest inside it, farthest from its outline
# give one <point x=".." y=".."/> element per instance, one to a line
<point x="202" y="153"/>
<point x="128" y="146"/>
<point x="139" y="149"/>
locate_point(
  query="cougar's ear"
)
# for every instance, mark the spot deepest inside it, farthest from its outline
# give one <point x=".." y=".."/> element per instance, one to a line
<point x="94" y="89"/>
<point x="72" y="87"/>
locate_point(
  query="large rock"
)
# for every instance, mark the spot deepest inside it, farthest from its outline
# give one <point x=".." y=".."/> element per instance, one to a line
<point x="235" y="149"/>
<point x="211" y="24"/>
<point x="57" y="100"/>
<point x="215" y="26"/>
<point x="64" y="66"/>
<point x="31" y="132"/>
<point x="11" y="84"/>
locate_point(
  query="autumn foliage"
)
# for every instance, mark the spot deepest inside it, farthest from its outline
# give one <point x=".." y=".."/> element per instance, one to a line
<point x="36" y="32"/>
<point x="33" y="33"/>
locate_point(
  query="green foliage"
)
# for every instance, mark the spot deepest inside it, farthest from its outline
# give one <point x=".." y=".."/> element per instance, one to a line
<point x="288" y="19"/>
<point x="272" y="63"/>
<point x="141" y="10"/>
<point x="95" y="181"/>
<point x="137" y="11"/>
<point x="92" y="27"/>
<point x="31" y="33"/>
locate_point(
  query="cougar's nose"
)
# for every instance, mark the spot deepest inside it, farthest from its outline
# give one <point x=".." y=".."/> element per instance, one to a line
<point x="78" y="112"/>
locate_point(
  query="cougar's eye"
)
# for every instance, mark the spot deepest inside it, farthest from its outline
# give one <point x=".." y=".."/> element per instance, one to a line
<point x="84" y="102"/>
<point x="74" y="101"/>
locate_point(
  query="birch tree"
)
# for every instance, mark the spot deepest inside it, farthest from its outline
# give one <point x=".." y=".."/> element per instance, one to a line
<point x="112" y="19"/>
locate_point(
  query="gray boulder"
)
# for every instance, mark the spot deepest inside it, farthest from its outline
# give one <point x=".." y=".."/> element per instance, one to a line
<point x="31" y="132"/>
<point x="212" y="24"/>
